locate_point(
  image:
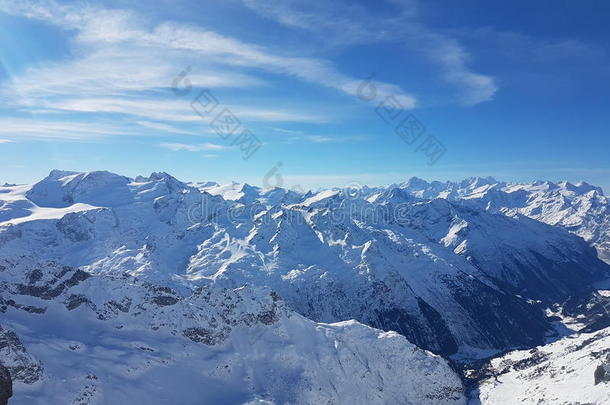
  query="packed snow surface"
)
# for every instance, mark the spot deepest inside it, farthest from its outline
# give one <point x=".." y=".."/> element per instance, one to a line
<point x="560" y="373"/>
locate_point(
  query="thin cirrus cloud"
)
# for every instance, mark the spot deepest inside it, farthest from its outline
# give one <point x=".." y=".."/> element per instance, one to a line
<point x="286" y="131"/>
<point x="168" y="110"/>
<point x="293" y="136"/>
<point x="158" y="126"/>
<point x="14" y="129"/>
<point x="119" y="70"/>
<point x="177" y="147"/>
<point x="335" y="22"/>
<point x="324" y="138"/>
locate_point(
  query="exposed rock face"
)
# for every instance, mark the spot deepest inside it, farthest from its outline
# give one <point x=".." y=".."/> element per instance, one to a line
<point x="125" y="299"/>
<point x="588" y="312"/>
<point x="13" y="355"/>
<point x="602" y="372"/>
<point x="6" y="385"/>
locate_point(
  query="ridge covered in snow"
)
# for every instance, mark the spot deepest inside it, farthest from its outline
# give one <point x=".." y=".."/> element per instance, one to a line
<point x="574" y="370"/>
<point x="580" y="208"/>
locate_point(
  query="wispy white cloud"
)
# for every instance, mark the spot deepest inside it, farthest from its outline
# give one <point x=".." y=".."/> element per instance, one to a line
<point x="176" y="147"/>
<point x="313" y="138"/>
<point x="265" y="114"/>
<point x="158" y="126"/>
<point x="163" y="109"/>
<point x="345" y="23"/>
<point x="235" y="52"/>
<point x="286" y="131"/>
<point x="6" y="141"/>
<point x="452" y="60"/>
<point x="34" y="128"/>
<point x="324" y="138"/>
<point x="115" y="69"/>
<point x="292" y="136"/>
<point x="341" y="23"/>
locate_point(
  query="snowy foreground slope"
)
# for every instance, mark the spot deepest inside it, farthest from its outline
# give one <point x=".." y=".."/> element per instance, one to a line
<point x="230" y="294"/>
<point x="574" y="370"/>
<point x="69" y="337"/>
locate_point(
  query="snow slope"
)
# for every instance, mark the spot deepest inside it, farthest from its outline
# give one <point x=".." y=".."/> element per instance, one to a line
<point x="560" y="373"/>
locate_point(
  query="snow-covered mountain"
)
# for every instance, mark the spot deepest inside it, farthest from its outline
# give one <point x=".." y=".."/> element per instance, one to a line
<point x="574" y="370"/>
<point x="251" y="291"/>
<point x="580" y="208"/>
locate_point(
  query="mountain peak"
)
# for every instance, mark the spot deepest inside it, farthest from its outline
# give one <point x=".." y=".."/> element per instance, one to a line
<point x="58" y="174"/>
<point x="416" y="182"/>
<point x="64" y="188"/>
<point x="162" y="176"/>
<point x="475" y="182"/>
<point x="580" y="187"/>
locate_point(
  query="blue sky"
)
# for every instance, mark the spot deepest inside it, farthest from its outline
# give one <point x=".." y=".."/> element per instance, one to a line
<point x="519" y="91"/>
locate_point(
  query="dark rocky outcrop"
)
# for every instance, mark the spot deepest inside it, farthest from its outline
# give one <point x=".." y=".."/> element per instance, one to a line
<point x="165" y="300"/>
<point x="6" y="385"/>
<point x="17" y="360"/>
<point x="592" y="310"/>
<point x="602" y="372"/>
